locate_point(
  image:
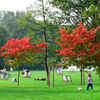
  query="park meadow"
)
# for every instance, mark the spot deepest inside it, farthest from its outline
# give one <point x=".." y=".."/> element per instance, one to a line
<point x="31" y="89"/>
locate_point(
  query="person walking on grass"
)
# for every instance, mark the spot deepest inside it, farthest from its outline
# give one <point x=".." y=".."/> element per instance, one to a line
<point x="90" y="81"/>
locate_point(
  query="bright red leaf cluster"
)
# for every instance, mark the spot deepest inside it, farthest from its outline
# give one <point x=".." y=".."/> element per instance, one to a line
<point x="19" y="48"/>
<point x="79" y="43"/>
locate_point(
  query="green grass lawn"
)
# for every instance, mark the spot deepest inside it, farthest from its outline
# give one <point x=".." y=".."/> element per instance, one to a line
<point x="30" y="89"/>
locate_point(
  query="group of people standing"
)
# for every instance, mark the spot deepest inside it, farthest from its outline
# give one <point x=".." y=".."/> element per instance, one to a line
<point x="26" y="73"/>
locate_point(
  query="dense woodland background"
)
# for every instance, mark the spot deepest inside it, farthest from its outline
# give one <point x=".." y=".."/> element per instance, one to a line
<point x="67" y="14"/>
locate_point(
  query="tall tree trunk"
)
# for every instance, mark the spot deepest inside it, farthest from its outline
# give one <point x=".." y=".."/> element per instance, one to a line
<point x="18" y="75"/>
<point x="99" y="74"/>
<point x="81" y="76"/>
<point x="45" y="58"/>
<point x="53" y="76"/>
<point x="49" y="77"/>
<point x="47" y="72"/>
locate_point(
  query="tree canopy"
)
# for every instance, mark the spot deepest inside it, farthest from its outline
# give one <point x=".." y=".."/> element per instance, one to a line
<point x="78" y="47"/>
<point x="21" y="51"/>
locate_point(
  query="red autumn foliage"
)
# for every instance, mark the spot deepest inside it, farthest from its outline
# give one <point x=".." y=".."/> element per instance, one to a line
<point x="79" y="43"/>
<point x="18" y="48"/>
<point x="58" y="65"/>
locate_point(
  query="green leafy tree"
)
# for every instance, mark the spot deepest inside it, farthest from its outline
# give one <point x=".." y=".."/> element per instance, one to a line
<point x="78" y="46"/>
<point x="41" y="30"/>
<point x="70" y="11"/>
<point x="8" y="20"/>
<point x="3" y="39"/>
<point x="22" y="51"/>
<point x="93" y="13"/>
<point x="91" y="16"/>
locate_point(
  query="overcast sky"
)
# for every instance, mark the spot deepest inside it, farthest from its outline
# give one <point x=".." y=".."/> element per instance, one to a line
<point x="13" y="5"/>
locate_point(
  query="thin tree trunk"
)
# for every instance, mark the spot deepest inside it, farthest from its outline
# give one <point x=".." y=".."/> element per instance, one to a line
<point x="47" y="72"/>
<point x="81" y="76"/>
<point x="18" y="75"/>
<point x="53" y="76"/>
<point x="45" y="57"/>
<point x="49" y="77"/>
<point x="99" y="74"/>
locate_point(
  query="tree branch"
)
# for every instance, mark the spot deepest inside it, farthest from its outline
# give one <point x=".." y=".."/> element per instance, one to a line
<point x="51" y="42"/>
<point x="35" y="23"/>
<point x="36" y="29"/>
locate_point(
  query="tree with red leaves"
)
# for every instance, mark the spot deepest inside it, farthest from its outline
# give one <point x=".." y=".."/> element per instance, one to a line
<point x="78" y="46"/>
<point x="22" y="51"/>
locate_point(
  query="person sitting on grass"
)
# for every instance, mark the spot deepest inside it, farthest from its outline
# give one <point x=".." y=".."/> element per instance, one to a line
<point x="14" y="79"/>
<point x="90" y="81"/>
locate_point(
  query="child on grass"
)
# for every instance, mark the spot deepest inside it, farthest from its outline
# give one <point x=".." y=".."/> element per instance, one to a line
<point x="90" y="81"/>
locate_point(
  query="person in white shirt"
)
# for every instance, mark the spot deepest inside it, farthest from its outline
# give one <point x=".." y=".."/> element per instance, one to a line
<point x="14" y="79"/>
<point x="90" y="81"/>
